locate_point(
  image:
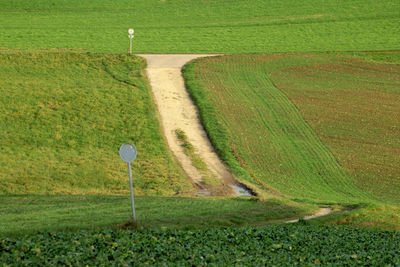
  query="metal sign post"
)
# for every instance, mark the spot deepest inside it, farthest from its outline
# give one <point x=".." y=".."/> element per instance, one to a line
<point x="130" y="31"/>
<point x="128" y="153"/>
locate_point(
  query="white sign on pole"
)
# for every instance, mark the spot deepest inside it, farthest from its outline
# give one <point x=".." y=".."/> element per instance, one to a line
<point x="128" y="153"/>
<point x="130" y="31"/>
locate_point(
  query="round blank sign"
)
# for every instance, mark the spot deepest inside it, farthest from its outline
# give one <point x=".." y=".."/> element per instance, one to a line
<point x="127" y="152"/>
<point x="131" y="31"/>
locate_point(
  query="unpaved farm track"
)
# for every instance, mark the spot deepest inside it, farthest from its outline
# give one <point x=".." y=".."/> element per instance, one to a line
<point x="177" y="111"/>
<point x="320" y="213"/>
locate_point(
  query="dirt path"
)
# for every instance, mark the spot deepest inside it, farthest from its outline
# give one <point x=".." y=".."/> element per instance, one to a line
<point x="177" y="111"/>
<point x="320" y="213"/>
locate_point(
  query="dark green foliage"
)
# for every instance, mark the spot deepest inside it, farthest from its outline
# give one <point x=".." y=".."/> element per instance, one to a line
<point x="281" y="245"/>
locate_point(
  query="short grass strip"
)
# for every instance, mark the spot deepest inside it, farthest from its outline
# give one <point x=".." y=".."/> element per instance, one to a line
<point x="29" y="214"/>
<point x="208" y="178"/>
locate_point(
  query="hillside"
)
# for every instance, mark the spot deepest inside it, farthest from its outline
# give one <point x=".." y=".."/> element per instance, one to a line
<point x="318" y="126"/>
<point x="199" y="26"/>
<point x="63" y="118"/>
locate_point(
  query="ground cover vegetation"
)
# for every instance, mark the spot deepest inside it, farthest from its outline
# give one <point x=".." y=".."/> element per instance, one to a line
<point x="216" y="26"/>
<point x="63" y="118"/>
<point x="324" y="127"/>
<point x="288" y="245"/>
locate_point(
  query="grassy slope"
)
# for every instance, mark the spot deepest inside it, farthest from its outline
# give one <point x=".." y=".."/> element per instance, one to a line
<point x="371" y="216"/>
<point x="181" y="26"/>
<point x="353" y="105"/>
<point x="248" y="118"/>
<point x="63" y="118"/>
<point x="28" y="214"/>
<point x="265" y="133"/>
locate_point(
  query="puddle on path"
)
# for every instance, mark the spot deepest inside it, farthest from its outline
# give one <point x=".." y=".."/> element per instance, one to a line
<point x="241" y="191"/>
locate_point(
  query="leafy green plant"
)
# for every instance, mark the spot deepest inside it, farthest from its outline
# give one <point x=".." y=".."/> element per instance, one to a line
<point x="273" y="245"/>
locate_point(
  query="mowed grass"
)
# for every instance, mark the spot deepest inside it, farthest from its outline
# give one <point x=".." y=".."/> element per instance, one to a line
<point x="28" y="214"/>
<point x="351" y="112"/>
<point x="63" y="118"/>
<point x="184" y="26"/>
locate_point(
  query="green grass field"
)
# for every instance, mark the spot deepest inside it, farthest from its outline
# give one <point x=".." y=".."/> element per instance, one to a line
<point x="213" y="26"/>
<point x="353" y="104"/>
<point x="29" y="214"/>
<point x="304" y="129"/>
<point x="63" y="118"/>
<point x="318" y="126"/>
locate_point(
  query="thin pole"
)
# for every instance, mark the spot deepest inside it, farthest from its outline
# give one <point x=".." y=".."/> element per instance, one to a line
<point x="130" y="45"/>
<point x="132" y="201"/>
